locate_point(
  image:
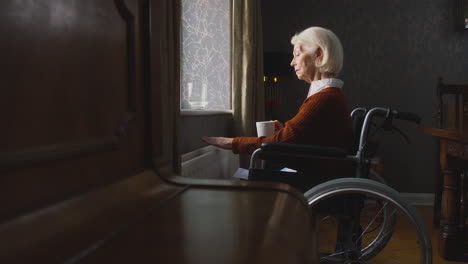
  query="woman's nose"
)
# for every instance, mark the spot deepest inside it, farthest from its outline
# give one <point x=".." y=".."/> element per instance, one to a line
<point x="292" y="62"/>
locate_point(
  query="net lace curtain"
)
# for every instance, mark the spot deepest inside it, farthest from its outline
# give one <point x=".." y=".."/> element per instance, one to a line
<point x="247" y="68"/>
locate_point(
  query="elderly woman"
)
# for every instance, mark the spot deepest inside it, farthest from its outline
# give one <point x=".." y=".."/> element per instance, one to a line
<point x="324" y="117"/>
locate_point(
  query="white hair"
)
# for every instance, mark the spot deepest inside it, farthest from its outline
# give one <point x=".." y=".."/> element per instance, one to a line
<point x="316" y="37"/>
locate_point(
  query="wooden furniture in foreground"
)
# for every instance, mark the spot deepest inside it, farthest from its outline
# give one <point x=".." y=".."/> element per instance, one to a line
<point x="450" y="193"/>
<point x="81" y="179"/>
<point x="148" y="219"/>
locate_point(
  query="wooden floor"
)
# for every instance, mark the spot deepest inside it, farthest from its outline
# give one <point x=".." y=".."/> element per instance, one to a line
<point x="426" y="212"/>
<point x="403" y="245"/>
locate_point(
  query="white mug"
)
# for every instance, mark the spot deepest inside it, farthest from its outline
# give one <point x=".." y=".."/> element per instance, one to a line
<point x="266" y="128"/>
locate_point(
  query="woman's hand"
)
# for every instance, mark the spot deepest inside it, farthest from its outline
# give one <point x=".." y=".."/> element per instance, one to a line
<point x="278" y="126"/>
<point x="220" y="142"/>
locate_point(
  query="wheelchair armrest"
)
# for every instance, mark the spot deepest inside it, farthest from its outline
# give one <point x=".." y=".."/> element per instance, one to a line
<point x="303" y="150"/>
<point x="296" y="179"/>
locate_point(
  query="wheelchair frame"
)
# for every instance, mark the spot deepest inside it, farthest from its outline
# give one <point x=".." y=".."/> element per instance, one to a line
<point x="360" y="184"/>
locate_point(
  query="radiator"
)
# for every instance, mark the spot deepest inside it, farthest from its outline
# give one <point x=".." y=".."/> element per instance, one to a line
<point x="209" y="163"/>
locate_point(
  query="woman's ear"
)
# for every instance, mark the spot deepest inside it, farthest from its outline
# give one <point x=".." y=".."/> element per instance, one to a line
<point x="318" y="56"/>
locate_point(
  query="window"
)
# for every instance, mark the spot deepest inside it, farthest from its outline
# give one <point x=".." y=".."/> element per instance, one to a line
<point x="206" y="55"/>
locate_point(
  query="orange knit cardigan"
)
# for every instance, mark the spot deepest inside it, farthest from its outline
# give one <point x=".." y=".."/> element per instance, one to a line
<point x="323" y="120"/>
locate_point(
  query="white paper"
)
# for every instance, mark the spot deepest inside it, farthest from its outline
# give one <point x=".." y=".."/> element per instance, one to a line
<point x="288" y="170"/>
<point x="241" y="174"/>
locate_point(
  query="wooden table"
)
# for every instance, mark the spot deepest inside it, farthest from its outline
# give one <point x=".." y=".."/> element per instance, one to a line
<point x="161" y="218"/>
<point x="449" y="201"/>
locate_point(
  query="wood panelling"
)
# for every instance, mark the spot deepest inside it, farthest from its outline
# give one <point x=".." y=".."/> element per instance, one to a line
<point x="72" y="103"/>
<point x="68" y="227"/>
<point x="59" y="71"/>
<point x="21" y="158"/>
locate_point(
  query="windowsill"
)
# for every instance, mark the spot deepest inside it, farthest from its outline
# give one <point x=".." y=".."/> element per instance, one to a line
<point x="188" y="112"/>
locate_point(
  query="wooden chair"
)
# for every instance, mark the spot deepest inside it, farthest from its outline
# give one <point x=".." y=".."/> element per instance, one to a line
<point x="453" y="105"/>
<point x="453" y="119"/>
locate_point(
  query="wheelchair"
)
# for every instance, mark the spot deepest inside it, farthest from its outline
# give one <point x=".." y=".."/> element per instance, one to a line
<point x="357" y="214"/>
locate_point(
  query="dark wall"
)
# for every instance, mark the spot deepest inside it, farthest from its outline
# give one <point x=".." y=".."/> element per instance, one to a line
<point x="394" y="53"/>
<point x="192" y="127"/>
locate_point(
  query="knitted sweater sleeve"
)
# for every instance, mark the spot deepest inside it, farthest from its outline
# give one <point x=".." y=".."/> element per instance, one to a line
<point x="303" y="127"/>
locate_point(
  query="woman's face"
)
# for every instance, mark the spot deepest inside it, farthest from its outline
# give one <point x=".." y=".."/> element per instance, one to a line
<point x="303" y="64"/>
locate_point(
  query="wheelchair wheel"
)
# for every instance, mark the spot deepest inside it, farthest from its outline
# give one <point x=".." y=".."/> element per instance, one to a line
<point x="364" y="232"/>
<point x="357" y="211"/>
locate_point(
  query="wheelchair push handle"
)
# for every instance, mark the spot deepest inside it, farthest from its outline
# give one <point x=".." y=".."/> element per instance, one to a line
<point x="391" y="114"/>
<point x="407" y="116"/>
